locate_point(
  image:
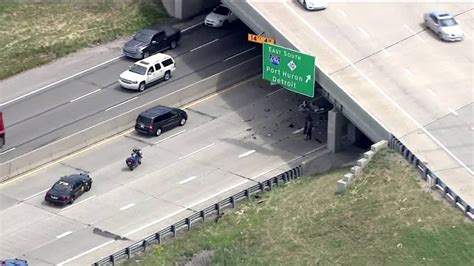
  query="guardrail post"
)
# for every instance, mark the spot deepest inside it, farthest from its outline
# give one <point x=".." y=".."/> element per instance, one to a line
<point x="203" y="216"/>
<point x="158" y="237"/>
<point x="112" y="259"/>
<point x="144" y="244"/>
<point x="277" y="179"/>
<point x="173" y="230"/>
<point x="261" y="186"/>
<point x="283" y="176"/>
<point x="232" y="202"/>
<point x="269" y="183"/>
<point x="127" y="252"/>
<point x="247" y="194"/>
<point x="188" y="222"/>
<point x="218" y="208"/>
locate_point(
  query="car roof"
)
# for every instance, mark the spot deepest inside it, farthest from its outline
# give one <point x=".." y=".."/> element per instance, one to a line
<point x="153" y="59"/>
<point x="151" y="31"/>
<point x="156" y="111"/>
<point x="441" y="14"/>
<point x="71" y="178"/>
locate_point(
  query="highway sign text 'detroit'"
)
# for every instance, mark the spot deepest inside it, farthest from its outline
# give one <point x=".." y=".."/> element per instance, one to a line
<point x="259" y="39"/>
<point x="289" y="68"/>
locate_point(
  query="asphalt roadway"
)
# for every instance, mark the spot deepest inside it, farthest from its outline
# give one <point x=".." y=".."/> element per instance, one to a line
<point x="88" y="97"/>
<point x="244" y="134"/>
<point x="418" y="87"/>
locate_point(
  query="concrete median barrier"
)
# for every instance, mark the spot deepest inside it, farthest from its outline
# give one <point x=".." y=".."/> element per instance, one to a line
<point x="110" y="127"/>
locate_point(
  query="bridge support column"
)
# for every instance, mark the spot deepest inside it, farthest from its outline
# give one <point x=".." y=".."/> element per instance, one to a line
<point x="341" y="133"/>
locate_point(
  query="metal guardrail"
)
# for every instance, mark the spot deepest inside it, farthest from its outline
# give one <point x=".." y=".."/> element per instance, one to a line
<point x="432" y="179"/>
<point x="201" y="216"/>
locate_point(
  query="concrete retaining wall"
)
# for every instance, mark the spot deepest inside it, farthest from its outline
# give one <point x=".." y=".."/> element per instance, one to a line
<point x="120" y="123"/>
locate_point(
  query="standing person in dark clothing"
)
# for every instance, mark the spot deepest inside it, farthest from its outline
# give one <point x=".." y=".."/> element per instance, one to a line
<point x="308" y="128"/>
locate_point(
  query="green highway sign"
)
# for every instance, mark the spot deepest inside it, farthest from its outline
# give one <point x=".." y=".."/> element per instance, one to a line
<point x="289" y="68"/>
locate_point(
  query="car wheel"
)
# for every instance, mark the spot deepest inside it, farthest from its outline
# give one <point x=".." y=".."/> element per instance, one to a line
<point x="88" y="187"/>
<point x="182" y="121"/>
<point x="145" y="55"/>
<point x="141" y="87"/>
<point x="72" y="200"/>
<point x="173" y="44"/>
<point x="158" y="132"/>
<point x="167" y="75"/>
<point x="440" y="35"/>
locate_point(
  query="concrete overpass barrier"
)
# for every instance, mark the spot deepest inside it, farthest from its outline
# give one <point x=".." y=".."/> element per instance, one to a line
<point x="106" y="129"/>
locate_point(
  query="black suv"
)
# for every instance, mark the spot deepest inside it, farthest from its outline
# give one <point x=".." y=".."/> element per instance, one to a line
<point x="160" y="118"/>
<point x="152" y="40"/>
<point x="68" y="188"/>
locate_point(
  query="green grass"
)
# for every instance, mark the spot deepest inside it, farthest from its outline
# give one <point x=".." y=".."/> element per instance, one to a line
<point x="386" y="218"/>
<point x="37" y="32"/>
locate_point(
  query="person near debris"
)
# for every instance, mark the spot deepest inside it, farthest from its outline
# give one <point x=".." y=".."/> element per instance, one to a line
<point x="308" y="128"/>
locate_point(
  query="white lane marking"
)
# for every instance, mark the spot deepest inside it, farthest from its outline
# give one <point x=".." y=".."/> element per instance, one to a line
<point x="85" y="95"/>
<point x="298" y="130"/>
<point x="206" y="44"/>
<point x="59" y="81"/>
<point x="234" y="56"/>
<point x="187" y="180"/>
<point x="246" y="153"/>
<point x="127" y="206"/>
<point x="194" y="152"/>
<point x="64" y="234"/>
<point x="36" y="194"/>
<point x="453" y="111"/>
<point x="342" y="12"/>
<point x="385" y="52"/>
<point x="409" y="72"/>
<point x="363" y="31"/>
<point x="372" y="83"/>
<point x="413" y="32"/>
<point x="80" y="202"/>
<point x="191" y="27"/>
<point x="9" y="150"/>
<point x="122" y="103"/>
<point x="85" y="252"/>
<point x="273" y="92"/>
<point x="172" y="136"/>
<point x="431" y="92"/>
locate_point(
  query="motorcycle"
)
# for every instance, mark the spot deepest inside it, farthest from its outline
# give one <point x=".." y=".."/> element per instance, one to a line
<point x="134" y="160"/>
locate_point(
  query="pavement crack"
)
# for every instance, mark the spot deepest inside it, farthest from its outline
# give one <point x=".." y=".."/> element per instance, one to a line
<point x="75" y="168"/>
<point x="108" y="234"/>
<point x="201" y="113"/>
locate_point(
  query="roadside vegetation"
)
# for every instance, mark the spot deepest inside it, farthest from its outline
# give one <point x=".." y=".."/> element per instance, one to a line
<point x="386" y="218"/>
<point x="36" y="32"/>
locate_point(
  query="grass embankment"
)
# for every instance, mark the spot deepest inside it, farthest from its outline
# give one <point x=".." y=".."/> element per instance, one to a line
<point x="385" y="219"/>
<point x="36" y="32"/>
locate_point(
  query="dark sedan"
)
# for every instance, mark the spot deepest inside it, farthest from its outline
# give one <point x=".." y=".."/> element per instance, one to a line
<point x="68" y="188"/>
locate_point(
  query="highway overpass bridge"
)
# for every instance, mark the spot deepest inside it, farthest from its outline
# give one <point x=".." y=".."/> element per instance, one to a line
<point x="390" y="77"/>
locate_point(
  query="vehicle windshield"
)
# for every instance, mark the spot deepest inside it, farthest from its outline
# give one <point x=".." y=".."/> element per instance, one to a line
<point x="220" y="10"/>
<point x="137" y="69"/>
<point x="448" y="22"/>
<point x="142" y="37"/>
<point x="62" y="186"/>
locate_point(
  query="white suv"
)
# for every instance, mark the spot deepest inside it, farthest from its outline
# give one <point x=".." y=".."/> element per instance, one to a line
<point x="147" y="71"/>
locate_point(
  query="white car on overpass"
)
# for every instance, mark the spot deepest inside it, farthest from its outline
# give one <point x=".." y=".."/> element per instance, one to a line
<point x="444" y="25"/>
<point x="313" y="4"/>
<point x="219" y="17"/>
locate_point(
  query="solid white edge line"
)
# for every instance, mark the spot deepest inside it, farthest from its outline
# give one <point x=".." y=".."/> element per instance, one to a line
<point x="59" y="81"/>
<point x="85" y="95"/>
<point x="79" y="202"/>
<point x="9" y="150"/>
<point x="122" y="103"/>
<point x="234" y="56"/>
<point x="453" y="111"/>
<point x="64" y="234"/>
<point x="206" y="44"/>
<point x="273" y="92"/>
<point x="194" y="152"/>
<point x="191" y="27"/>
<point x="187" y="180"/>
<point x="246" y="153"/>
<point x="298" y="130"/>
<point x="172" y="136"/>
<point x="36" y="194"/>
<point x="127" y="206"/>
<point x="374" y="85"/>
<point x="86" y="252"/>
